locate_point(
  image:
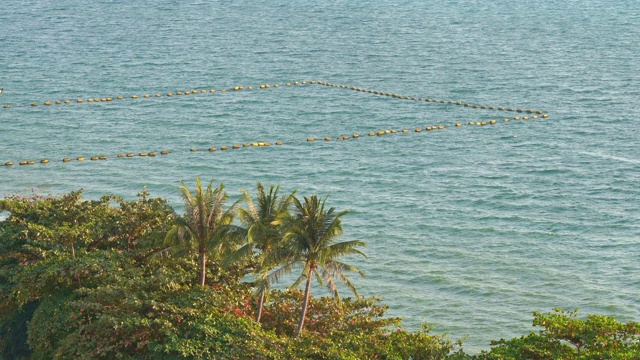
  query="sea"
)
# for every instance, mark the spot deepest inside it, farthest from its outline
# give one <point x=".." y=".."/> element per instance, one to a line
<point x="468" y="228"/>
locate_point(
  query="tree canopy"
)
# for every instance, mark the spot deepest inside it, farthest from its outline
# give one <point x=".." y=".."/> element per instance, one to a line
<point x="116" y="279"/>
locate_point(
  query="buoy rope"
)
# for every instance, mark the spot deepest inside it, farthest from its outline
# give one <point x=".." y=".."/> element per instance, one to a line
<point x="210" y="91"/>
<point x="277" y="85"/>
<point x="261" y="144"/>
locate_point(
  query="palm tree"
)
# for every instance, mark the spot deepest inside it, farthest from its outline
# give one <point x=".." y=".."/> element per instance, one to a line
<point x="311" y="241"/>
<point x="262" y="234"/>
<point x="207" y="225"/>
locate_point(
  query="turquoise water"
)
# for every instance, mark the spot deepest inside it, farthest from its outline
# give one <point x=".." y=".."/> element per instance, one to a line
<point x="470" y="229"/>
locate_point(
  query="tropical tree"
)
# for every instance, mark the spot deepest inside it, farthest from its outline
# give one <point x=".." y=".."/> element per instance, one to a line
<point x="311" y="241"/>
<point x="262" y="234"/>
<point x="207" y="224"/>
<point x="565" y="336"/>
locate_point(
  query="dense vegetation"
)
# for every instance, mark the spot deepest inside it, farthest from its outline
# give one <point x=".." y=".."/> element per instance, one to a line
<point x="115" y="279"/>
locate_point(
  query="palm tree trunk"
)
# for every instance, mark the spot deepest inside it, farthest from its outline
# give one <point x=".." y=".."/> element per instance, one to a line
<point x="73" y="255"/>
<point x="307" y="290"/>
<point x="203" y="267"/>
<point x="260" y="304"/>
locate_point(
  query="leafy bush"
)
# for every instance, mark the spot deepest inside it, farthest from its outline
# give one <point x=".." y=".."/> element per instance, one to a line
<point x="96" y="279"/>
<point x="565" y="336"/>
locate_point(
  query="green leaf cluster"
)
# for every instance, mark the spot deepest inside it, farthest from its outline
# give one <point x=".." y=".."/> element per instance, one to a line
<point x="565" y="336"/>
<point x="116" y="279"/>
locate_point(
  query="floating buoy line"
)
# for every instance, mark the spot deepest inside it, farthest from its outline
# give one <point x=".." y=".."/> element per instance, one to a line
<point x="532" y="114"/>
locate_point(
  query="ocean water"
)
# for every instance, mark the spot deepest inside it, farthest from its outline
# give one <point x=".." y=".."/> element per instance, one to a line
<point x="469" y="228"/>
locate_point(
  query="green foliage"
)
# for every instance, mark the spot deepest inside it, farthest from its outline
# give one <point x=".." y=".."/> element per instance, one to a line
<point x="310" y="240"/>
<point x="148" y="312"/>
<point x="565" y="336"/>
<point x="326" y="317"/>
<point x="264" y="237"/>
<point x="97" y="279"/>
<point x="206" y="228"/>
<point x="52" y="247"/>
<point x="350" y="329"/>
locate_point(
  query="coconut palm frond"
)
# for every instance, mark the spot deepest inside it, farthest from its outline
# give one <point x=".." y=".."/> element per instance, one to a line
<point x="276" y="275"/>
<point x="341" y="249"/>
<point x="336" y="270"/>
<point x="331" y="285"/>
<point x="302" y="277"/>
